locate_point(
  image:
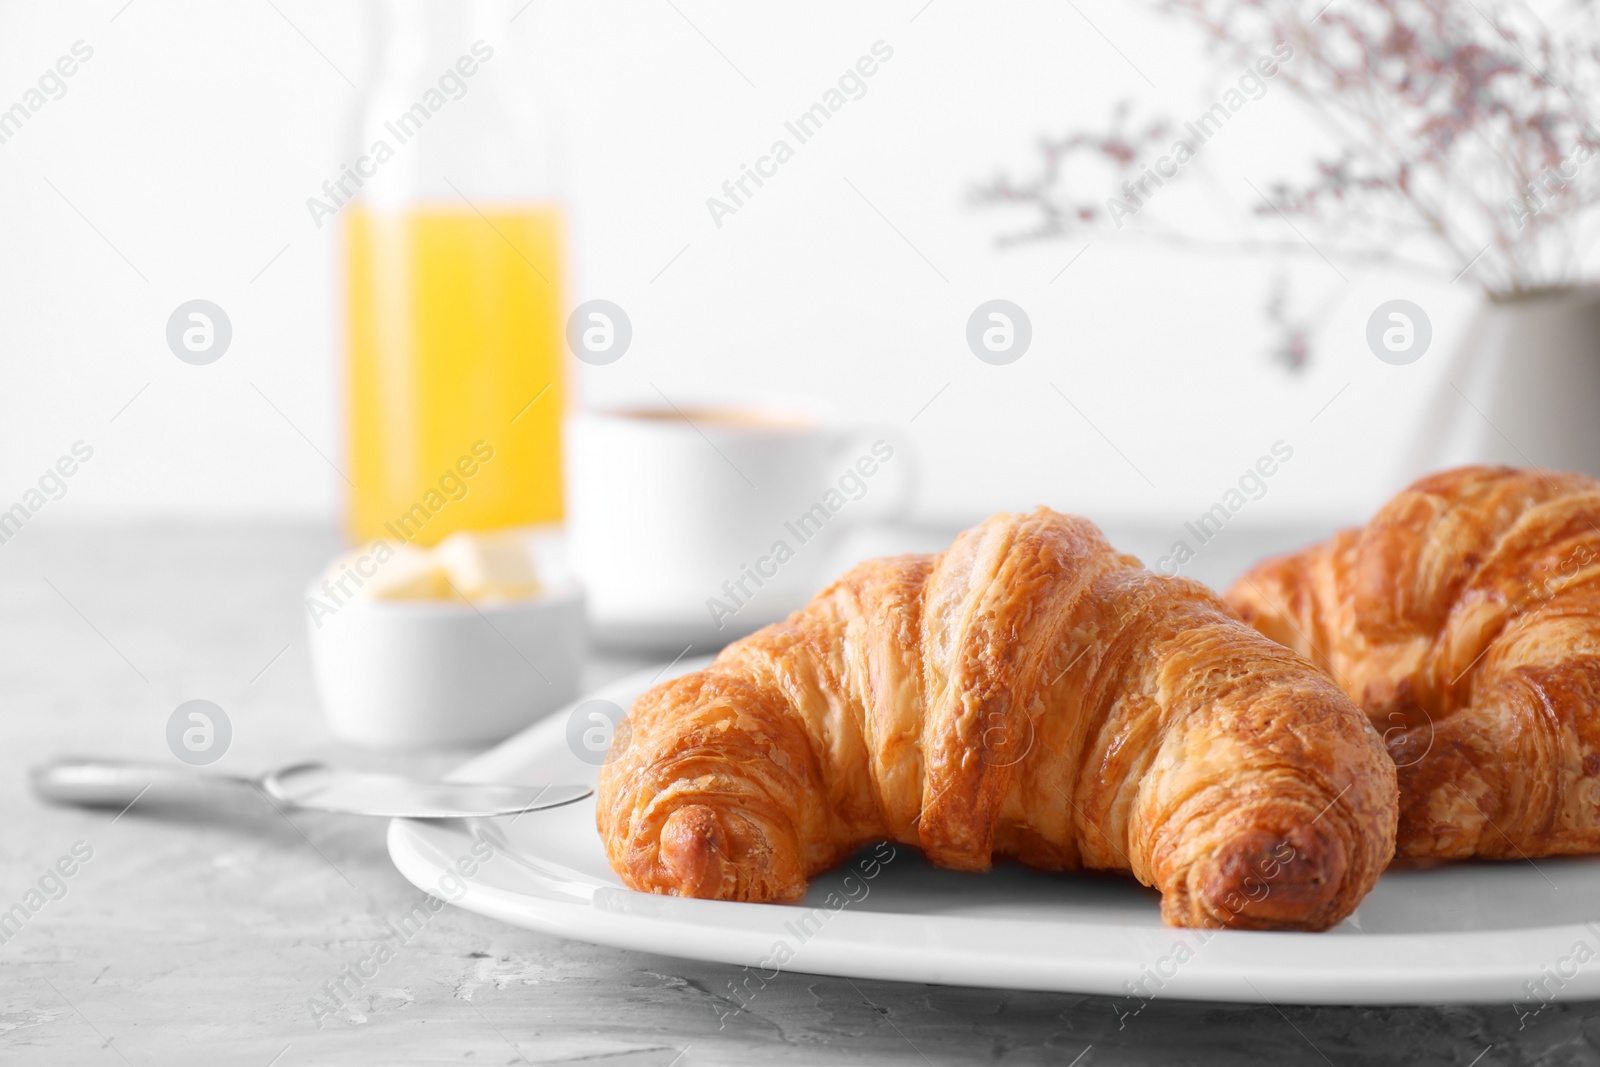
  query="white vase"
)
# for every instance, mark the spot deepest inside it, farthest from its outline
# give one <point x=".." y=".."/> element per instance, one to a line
<point x="1522" y="388"/>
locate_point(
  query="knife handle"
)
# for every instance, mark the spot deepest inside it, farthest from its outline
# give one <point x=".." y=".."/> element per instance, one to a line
<point x="97" y="783"/>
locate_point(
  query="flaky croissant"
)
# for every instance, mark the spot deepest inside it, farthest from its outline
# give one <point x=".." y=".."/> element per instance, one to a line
<point x="1029" y="693"/>
<point x="1465" y="620"/>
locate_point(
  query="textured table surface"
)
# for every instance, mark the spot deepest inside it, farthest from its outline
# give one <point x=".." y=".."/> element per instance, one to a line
<point x="203" y="939"/>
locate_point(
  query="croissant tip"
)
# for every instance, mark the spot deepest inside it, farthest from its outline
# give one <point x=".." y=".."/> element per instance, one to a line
<point x="693" y="847"/>
<point x="1265" y="880"/>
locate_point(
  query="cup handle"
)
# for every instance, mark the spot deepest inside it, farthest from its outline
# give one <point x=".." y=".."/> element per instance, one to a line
<point x="862" y="445"/>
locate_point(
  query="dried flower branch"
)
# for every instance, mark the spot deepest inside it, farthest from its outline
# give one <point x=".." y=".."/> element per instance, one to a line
<point x="1117" y="148"/>
<point x="1461" y="128"/>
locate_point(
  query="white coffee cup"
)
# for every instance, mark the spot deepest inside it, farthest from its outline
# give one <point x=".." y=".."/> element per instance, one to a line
<point x="698" y="523"/>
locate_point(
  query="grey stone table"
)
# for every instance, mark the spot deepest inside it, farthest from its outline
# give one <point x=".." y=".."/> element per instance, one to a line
<point x="204" y="939"/>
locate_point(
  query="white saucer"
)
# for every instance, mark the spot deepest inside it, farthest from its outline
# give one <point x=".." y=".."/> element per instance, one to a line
<point x="1463" y="933"/>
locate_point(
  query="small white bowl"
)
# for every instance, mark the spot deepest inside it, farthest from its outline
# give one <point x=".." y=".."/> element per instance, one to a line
<point x="411" y="674"/>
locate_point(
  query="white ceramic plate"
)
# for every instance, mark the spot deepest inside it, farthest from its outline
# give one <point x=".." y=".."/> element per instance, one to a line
<point x="1463" y="933"/>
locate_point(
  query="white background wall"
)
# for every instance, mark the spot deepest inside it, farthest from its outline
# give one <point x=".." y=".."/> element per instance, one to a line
<point x="193" y="137"/>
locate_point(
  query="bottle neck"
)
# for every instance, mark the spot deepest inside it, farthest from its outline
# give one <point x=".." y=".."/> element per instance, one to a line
<point x="412" y="34"/>
<point x="448" y="114"/>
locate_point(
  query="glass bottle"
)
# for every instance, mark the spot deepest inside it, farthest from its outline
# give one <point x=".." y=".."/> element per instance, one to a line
<point x="453" y="283"/>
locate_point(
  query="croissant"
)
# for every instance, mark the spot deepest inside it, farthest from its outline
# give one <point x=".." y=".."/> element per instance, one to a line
<point x="1028" y="693"/>
<point x="1465" y="620"/>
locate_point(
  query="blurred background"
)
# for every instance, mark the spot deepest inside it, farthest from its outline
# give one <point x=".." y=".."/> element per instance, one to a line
<point x="178" y="162"/>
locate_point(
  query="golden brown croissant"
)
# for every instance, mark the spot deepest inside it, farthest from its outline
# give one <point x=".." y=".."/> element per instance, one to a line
<point x="1028" y="693"/>
<point x="1465" y="619"/>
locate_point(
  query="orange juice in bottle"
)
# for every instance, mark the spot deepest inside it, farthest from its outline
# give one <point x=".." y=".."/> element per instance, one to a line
<point x="453" y="287"/>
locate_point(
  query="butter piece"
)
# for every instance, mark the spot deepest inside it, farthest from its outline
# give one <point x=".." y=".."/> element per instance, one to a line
<point x="411" y="574"/>
<point x="488" y="566"/>
<point x="481" y="567"/>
